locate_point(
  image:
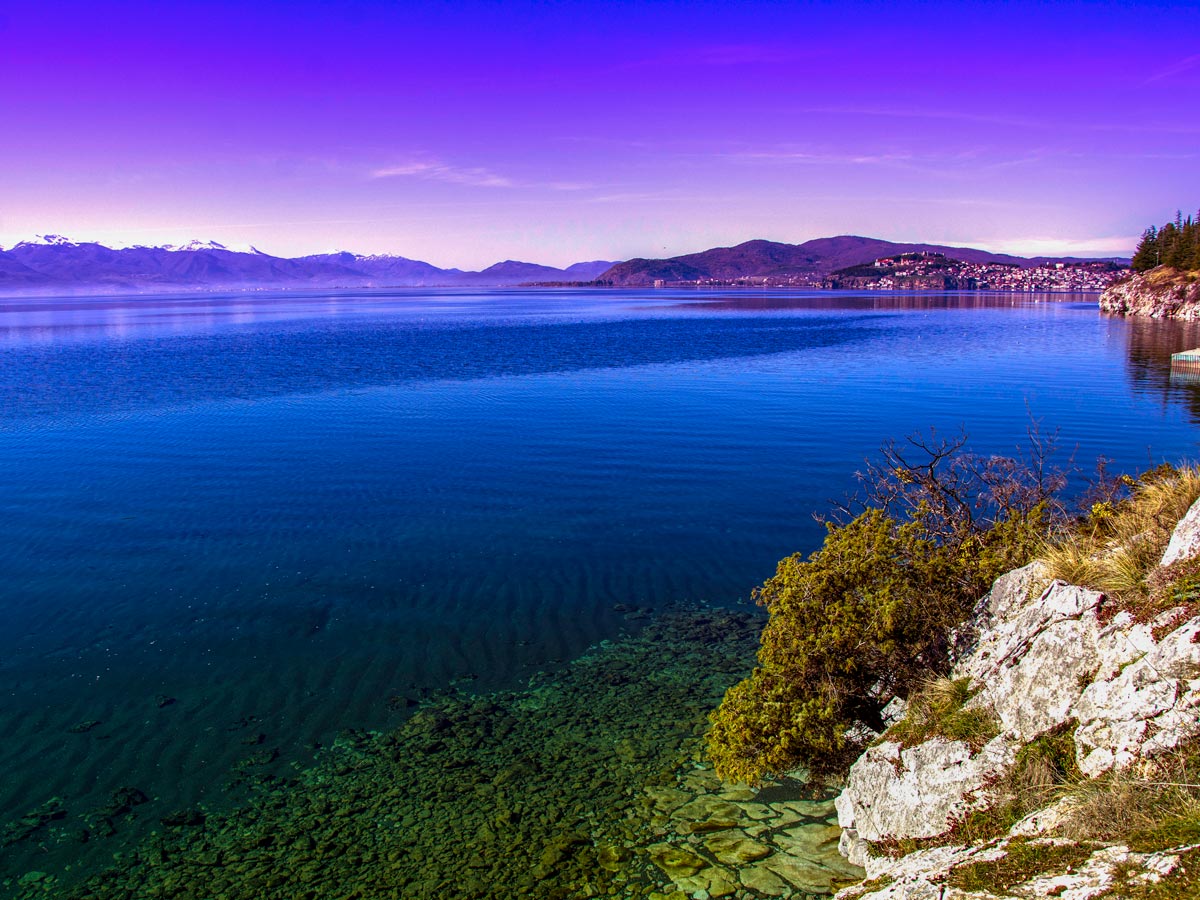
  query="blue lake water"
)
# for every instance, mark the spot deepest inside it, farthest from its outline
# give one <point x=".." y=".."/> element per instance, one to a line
<point x="286" y="512"/>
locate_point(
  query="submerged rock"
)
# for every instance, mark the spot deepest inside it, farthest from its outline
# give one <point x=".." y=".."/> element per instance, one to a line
<point x="733" y="848"/>
<point x="508" y="794"/>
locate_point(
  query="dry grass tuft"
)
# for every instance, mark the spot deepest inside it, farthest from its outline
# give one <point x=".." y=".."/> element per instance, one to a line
<point x="1118" y="546"/>
<point x="1151" y="809"/>
<point x="938" y="708"/>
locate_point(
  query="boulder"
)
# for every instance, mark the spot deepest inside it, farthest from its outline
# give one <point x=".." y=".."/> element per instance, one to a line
<point x="1185" y="539"/>
<point x="1032" y="689"/>
<point x="919" y="791"/>
<point x="1149" y="705"/>
<point x="1010" y="630"/>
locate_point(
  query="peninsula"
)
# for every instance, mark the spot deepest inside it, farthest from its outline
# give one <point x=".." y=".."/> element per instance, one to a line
<point x="850" y="261"/>
<point x="1165" y="281"/>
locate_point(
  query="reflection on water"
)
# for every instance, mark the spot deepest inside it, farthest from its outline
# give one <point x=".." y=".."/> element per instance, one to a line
<point x="1149" y="345"/>
<point x="873" y="300"/>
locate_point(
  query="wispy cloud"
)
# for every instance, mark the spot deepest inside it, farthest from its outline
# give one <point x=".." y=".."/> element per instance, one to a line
<point x="1050" y="122"/>
<point x="435" y="170"/>
<point x="474" y="176"/>
<point x="1184" y="65"/>
<point x="801" y="157"/>
<point x="1116" y="245"/>
<point x="628" y="197"/>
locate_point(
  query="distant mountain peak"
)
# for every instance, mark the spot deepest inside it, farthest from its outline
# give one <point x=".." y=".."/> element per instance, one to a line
<point x="194" y="245"/>
<point x="197" y="245"/>
<point x="379" y="256"/>
<point x="48" y="240"/>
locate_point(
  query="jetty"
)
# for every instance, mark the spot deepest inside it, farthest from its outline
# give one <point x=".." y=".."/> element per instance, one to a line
<point x="1185" y="366"/>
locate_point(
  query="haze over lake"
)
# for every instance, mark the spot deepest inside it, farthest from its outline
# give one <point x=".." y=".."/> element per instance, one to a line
<point x="298" y="513"/>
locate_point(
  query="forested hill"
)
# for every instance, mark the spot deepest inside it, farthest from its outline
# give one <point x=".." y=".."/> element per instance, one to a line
<point x="799" y="263"/>
<point x="1176" y="244"/>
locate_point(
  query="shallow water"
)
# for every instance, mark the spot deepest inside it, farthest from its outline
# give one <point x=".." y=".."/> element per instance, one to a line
<point x="235" y="525"/>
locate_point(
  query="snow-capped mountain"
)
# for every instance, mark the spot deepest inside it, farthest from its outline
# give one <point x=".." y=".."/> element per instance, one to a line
<point x="47" y="240"/>
<point x="213" y="245"/>
<point x="54" y="263"/>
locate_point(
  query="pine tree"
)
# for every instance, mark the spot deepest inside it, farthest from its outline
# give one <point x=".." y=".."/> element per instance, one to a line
<point x="1146" y="255"/>
<point x="1175" y="244"/>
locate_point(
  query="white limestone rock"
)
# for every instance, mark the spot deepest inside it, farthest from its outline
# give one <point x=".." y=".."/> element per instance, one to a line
<point x="854" y="848"/>
<point x="1043" y="821"/>
<point x="895" y="710"/>
<point x="913" y="875"/>
<point x="1150" y="705"/>
<point x="1007" y="639"/>
<point x="1185" y="539"/>
<point x="917" y="792"/>
<point x="1122" y="641"/>
<point x="1009" y="592"/>
<point x="923" y="875"/>
<point x="1012" y="589"/>
<point x="1093" y="878"/>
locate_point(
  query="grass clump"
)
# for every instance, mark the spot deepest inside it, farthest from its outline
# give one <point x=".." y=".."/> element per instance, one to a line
<point x="938" y="709"/>
<point x="1116" y="548"/>
<point x="1154" y="807"/>
<point x="1023" y="861"/>
<point x="1049" y="761"/>
<point x="1168" y="587"/>
<point x="1043" y="770"/>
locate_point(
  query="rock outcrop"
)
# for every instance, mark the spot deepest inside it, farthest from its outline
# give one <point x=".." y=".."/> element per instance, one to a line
<point x="914" y="793"/>
<point x="1161" y="293"/>
<point x="1043" y="660"/>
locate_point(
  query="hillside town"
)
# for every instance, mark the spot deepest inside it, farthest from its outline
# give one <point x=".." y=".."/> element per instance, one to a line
<point x="936" y="271"/>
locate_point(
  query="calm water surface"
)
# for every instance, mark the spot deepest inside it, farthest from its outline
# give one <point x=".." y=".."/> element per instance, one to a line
<point x="236" y="524"/>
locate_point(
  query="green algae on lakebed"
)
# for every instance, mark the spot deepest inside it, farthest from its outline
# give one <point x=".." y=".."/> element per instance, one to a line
<point x="536" y="793"/>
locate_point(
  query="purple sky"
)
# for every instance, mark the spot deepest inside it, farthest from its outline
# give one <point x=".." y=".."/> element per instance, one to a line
<point x="464" y="133"/>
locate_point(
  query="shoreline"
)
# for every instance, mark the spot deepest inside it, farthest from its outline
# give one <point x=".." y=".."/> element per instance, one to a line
<point x="104" y="292"/>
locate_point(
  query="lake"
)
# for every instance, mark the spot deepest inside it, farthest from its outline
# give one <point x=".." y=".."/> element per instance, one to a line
<point x="240" y="524"/>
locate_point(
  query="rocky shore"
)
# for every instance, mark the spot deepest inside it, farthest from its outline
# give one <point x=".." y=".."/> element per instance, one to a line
<point x="1161" y="293"/>
<point x="1095" y="717"/>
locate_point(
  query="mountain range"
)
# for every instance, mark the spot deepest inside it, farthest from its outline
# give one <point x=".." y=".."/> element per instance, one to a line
<point x="53" y="263"/>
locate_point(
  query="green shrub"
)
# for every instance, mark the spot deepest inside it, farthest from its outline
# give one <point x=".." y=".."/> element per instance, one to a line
<point x="869" y="616"/>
